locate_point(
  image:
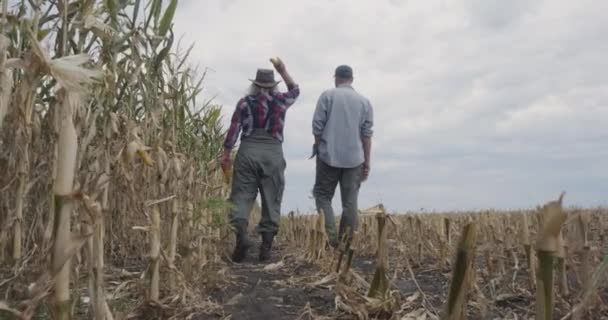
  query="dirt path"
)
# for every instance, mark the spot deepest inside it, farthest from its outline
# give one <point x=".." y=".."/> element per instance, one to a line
<point x="271" y="290"/>
<point x="283" y="289"/>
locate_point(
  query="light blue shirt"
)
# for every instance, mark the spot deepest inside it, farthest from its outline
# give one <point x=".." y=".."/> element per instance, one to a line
<point x="341" y="118"/>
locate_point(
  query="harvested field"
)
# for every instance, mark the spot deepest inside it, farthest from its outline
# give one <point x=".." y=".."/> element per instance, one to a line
<point x="113" y="205"/>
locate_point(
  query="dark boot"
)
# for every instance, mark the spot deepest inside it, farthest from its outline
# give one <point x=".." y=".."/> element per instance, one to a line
<point x="333" y="242"/>
<point x="266" y="247"/>
<point x="242" y="244"/>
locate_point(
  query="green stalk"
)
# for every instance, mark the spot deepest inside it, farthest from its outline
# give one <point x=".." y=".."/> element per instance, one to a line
<point x="379" y="287"/>
<point x="456" y="303"/>
<point x="544" y="286"/>
<point x="549" y="247"/>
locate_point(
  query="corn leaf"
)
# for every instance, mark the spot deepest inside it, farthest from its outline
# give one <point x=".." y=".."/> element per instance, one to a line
<point x="154" y="12"/>
<point x="167" y="19"/>
<point x="136" y="11"/>
<point x="112" y="8"/>
<point x="163" y="53"/>
<point x="43" y="33"/>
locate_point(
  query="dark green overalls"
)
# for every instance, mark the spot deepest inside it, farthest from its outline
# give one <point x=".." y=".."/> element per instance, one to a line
<point x="259" y="165"/>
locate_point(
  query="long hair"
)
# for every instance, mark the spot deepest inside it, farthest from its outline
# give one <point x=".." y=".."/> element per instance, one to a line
<point x="255" y="90"/>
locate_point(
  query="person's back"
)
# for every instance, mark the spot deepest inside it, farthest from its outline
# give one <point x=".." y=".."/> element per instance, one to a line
<point x="342" y="127"/>
<point x="259" y="164"/>
<point x="346" y="116"/>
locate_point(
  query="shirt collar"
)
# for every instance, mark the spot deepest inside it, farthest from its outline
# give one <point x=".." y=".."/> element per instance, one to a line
<point x="345" y="85"/>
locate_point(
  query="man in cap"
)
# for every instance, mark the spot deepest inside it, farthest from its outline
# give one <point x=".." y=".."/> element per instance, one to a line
<point x="259" y="164"/>
<point x="342" y="128"/>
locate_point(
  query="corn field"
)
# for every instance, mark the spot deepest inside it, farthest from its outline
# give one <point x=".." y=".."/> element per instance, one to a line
<point x="548" y="263"/>
<point x="112" y="205"/>
<point x="107" y="153"/>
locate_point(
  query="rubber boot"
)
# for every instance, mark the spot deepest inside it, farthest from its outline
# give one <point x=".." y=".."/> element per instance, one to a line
<point x="333" y="242"/>
<point x="266" y="247"/>
<point x="242" y="244"/>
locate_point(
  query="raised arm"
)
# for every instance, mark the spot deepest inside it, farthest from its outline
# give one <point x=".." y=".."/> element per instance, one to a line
<point x="293" y="90"/>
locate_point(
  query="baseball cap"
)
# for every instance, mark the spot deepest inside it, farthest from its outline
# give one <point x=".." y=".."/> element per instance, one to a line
<point x="344" y="71"/>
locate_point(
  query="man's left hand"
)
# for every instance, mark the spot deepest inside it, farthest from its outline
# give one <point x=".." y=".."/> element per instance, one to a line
<point x="365" y="173"/>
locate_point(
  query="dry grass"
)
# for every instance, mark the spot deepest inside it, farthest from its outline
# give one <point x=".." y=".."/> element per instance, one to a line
<point x="136" y="153"/>
<point x="498" y="281"/>
<point x="108" y="160"/>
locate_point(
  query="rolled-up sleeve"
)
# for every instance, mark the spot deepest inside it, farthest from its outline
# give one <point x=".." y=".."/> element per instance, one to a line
<point x="367" y="122"/>
<point x="288" y="98"/>
<point x="320" y="117"/>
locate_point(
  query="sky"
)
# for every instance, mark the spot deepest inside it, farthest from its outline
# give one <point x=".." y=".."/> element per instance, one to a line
<point x="478" y="104"/>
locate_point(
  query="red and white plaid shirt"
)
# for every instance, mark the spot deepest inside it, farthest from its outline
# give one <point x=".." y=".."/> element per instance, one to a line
<point x="262" y="111"/>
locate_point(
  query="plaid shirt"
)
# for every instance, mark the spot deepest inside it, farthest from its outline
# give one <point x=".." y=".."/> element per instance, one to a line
<point x="262" y="111"/>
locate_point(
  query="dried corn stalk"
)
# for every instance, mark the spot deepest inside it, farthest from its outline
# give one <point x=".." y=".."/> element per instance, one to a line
<point x="6" y="78"/>
<point x="173" y="243"/>
<point x="66" y="165"/>
<point x="153" y="271"/>
<point x="585" y="267"/>
<point x="547" y="247"/>
<point x="525" y="236"/>
<point x="596" y="280"/>
<point x="134" y="90"/>
<point x="455" y="306"/>
<point x="379" y="287"/>
<point x="96" y="261"/>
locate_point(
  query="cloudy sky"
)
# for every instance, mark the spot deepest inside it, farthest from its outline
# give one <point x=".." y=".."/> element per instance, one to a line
<point x="478" y="103"/>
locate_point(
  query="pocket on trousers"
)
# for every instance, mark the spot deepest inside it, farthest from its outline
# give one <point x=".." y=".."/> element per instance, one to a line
<point x="280" y="185"/>
<point x="279" y="180"/>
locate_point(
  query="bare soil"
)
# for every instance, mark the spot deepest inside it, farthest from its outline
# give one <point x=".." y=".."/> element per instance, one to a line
<point x="255" y="293"/>
<point x="284" y="288"/>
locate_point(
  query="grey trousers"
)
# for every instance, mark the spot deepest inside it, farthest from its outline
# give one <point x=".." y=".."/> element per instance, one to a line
<point x="259" y="165"/>
<point x="326" y="181"/>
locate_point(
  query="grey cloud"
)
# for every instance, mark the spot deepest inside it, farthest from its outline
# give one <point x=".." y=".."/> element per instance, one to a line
<point x="477" y="103"/>
<point x="497" y="13"/>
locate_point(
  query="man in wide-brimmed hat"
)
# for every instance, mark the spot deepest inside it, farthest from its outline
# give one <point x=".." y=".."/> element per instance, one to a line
<point x="342" y="128"/>
<point x="259" y="163"/>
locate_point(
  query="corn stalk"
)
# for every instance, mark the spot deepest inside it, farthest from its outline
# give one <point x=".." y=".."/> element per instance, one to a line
<point x="173" y="243"/>
<point x="595" y="281"/>
<point x="561" y="256"/>
<point x="142" y="70"/>
<point x="154" y="286"/>
<point x="379" y="287"/>
<point x="585" y="266"/>
<point x="455" y="306"/>
<point x="547" y="247"/>
<point x="6" y="77"/>
<point x="525" y="236"/>
<point x="25" y="102"/>
<point x="66" y="165"/>
<point x="96" y="260"/>
<point x="418" y="234"/>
